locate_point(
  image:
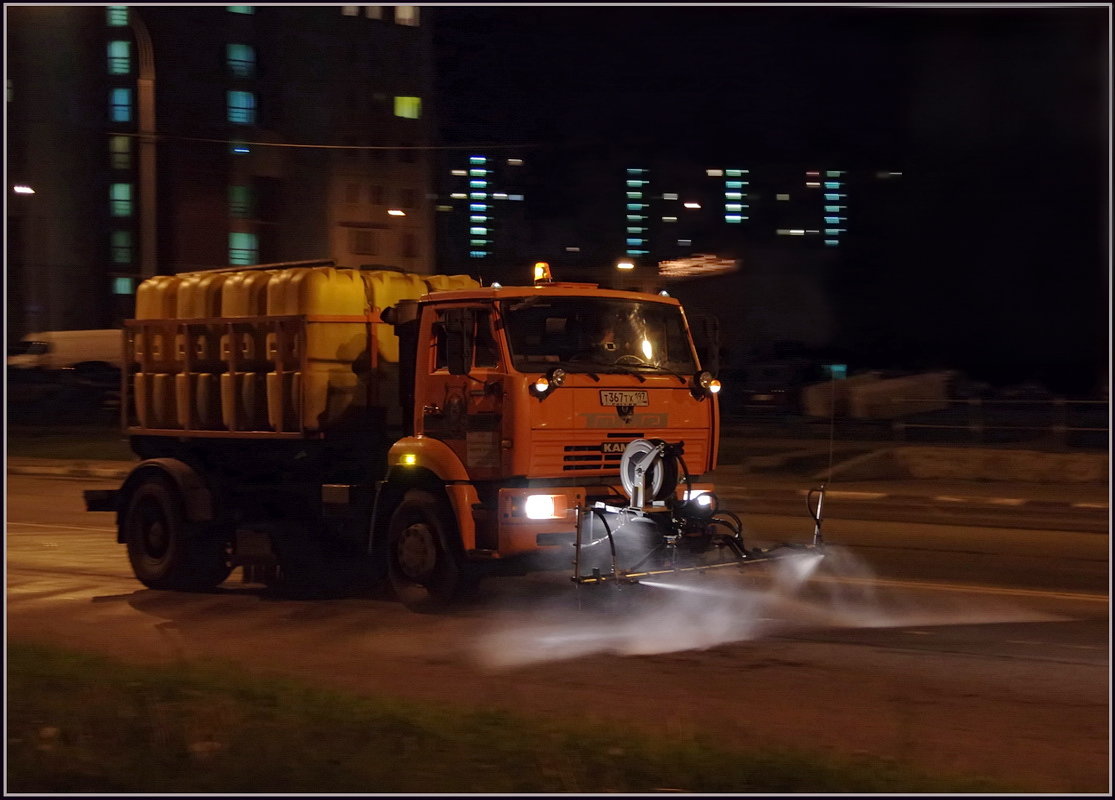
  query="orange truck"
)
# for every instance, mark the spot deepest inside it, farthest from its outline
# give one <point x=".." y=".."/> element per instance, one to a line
<point x="321" y="426"/>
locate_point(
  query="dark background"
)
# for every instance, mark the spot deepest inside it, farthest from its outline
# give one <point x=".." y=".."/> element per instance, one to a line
<point x="997" y="263"/>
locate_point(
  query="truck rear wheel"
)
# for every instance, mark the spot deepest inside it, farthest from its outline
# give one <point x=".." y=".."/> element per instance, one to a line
<point x="165" y="550"/>
<point x="424" y="563"/>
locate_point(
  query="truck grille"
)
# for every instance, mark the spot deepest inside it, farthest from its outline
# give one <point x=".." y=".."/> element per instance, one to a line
<point x="579" y="457"/>
<point x="555" y="453"/>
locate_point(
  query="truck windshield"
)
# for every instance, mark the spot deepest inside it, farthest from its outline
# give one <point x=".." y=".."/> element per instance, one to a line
<point x="596" y="334"/>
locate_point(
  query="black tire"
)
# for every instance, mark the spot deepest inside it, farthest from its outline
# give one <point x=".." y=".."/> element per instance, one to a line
<point x="165" y="550"/>
<point x="425" y="564"/>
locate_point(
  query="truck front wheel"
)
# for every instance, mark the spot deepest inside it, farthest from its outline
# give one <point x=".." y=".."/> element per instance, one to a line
<point x="424" y="565"/>
<point x="165" y="550"/>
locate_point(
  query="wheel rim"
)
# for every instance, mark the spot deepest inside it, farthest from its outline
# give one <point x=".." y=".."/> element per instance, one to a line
<point x="153" y="532"/>
<point x="416" y="552"/>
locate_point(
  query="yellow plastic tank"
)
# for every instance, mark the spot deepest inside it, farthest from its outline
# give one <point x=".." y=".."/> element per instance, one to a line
<point x="385" y="288"/>
<point x="315" y="388"/>
<point x="156" y="352"/>
<point x="448" y="283"/>
<point x="199" y="297"/>
<point x="244" y="389"/>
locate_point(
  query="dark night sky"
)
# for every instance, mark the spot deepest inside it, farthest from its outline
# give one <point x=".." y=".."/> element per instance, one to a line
<point x="998" y="116"/>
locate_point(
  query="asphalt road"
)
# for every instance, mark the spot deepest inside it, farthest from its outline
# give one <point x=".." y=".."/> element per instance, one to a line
<point x="964" y="649"/>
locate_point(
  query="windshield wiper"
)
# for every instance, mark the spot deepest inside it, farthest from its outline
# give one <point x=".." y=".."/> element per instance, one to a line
<point x="678" y="375"/>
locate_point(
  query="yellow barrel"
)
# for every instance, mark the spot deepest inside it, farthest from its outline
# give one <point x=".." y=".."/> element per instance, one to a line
<point x="385" y="288"/>
<point x="449" y="283"/>
<point x="244" y="390"/>
<point x="199" y="297"/>
<point x="330" y="386"/>
<point x="157" y="299"/>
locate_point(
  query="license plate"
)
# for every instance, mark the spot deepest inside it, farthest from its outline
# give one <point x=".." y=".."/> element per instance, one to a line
<point x="619" y="397"/>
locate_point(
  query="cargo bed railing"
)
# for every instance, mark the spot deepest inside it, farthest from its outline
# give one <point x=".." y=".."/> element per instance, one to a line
<point x="176" y="401"/>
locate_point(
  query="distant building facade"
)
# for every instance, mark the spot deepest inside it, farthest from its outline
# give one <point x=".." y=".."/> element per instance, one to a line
<point x="160" y="139"/>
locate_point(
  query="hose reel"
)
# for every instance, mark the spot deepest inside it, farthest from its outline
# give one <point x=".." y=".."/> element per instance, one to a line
<point x="648" y="470"/>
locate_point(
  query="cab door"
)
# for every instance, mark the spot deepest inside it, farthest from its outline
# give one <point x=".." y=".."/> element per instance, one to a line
<point x="462" y="401"/>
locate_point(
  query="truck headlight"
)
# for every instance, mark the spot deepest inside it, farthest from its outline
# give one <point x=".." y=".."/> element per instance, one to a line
<point x="541" y="506"/>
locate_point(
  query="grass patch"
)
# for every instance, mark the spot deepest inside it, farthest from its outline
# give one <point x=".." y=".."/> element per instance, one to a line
<point x="85" y="723"/>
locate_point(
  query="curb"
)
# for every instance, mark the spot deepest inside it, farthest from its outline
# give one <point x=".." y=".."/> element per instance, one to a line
<point x="71" y="472"/>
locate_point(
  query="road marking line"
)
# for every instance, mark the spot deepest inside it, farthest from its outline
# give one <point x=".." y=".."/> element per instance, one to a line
<point x="62" y="527"/>
<point x="961" y="587"/>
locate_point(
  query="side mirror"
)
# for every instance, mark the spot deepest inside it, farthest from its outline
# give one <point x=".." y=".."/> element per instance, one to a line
<point x="459" y="324"/>
<point x="706" y="338"/>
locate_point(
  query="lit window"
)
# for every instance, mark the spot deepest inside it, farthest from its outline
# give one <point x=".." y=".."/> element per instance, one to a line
<point x="834" y="209"/>
<point x="241" y="107"/>
<point x="243" y="248"/>
<point x="834" y="195"/>
<point x="123" y="286"/>
<point x="733" y="207"/>
<point x="478" y="231"/>
<point x="373" y="12"/>
<point x="636" y="217"/>
<point x="634" y="195"/>
<point x="834" y="231"/>
<point x="120" y="199"/>
<point x="834" y="173"/>
<point x="635" y="184"/>
<point x="733" y="195"/>
<point x="833" y="184"/>
<point x="477" y="206"/>
<point x="459" y="172"/>
<point x="831" y="243"/>
<point x="478" y="173"/>
<point x="240" y="202"/>
<point x="120" y="105"/>
<point x="787" y="197"/>
<point x="636" y="228"/>
<point x="635" y="206"/>
<point x="477" y="218"/>
<point x="636" y="242"/>
<point x="120" y="151"/>
<point x="241" y="60"/>
<point x="514" y="197"/>
<point x="408" y="107"/>
<point x="734" y="173"/>
<point x="714" y="173"/>
<point x="477" y="184"/>
<point x="477" y="160"/>
<point x="406" y="15"/>
<point x="635" y="171"/>
<point x="478" y="195"/>
<point x="458" y="196"/>
<point x="241" y="9"/>
<point x="514" y="162"/>
<point x="685" y="242"/>
<point x="119" y="58"/>
<point x="735" y="184"/>
<point x="240" y="148"/>
<point x="834" y="220"/>
<point x="117" y="15"/>
<point x="734" y="218"/>
<point x="669" y="219"/>
<point x="479" y="242"/>
<point x="351" y="11"/>
<point x="122" y="247"/>
<point x="670" y="196"/>
<point x="362" y="241"/>
<point x="477" y="253"/>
